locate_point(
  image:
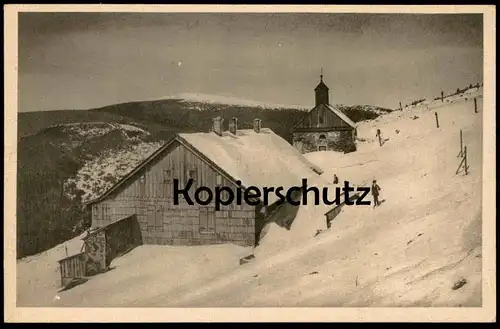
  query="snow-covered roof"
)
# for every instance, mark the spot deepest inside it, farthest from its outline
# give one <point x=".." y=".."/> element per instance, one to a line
<point x="341" y="115"/>
<point x="261" y="159"/>
<point x="335" y="109"/>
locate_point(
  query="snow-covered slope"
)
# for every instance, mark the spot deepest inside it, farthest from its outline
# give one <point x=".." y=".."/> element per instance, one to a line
<point x="143" y="272"/>
<point x="80" y="132"/>
<point x="412" y="251"/>
<point x="367" y="108"/>
<point x="38" y="277"/>
<point x="107" y="151"/>
<point x="421" y="247"/>
<point x="101" y="172"/>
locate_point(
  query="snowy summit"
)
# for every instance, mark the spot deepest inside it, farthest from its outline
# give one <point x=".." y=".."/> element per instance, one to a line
<point x="226" y="100"/>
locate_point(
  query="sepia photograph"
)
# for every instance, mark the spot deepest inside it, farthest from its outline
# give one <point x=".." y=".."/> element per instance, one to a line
<point x="318" y="158"/>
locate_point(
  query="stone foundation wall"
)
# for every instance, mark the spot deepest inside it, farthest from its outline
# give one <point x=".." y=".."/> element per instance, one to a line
<point x="164" y="224"/>
<point x="95" y="249"/>
<point x="339" y="141"/>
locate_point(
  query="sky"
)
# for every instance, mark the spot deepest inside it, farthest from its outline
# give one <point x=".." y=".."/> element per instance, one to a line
<point x="88" y="60"/>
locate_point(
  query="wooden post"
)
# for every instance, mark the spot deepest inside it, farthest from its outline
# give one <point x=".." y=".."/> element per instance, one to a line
<point x="461" y="143"/>
<point x="475" y="105"/>
<point x="442" y="96"/>
<point x="465" y="159"/>
<point x="437" y="120"/>
<point x="464" y="162"/>
<point x="400" y="107"/>
<point x="461" y="153"/>
<point x="459" y="166"/>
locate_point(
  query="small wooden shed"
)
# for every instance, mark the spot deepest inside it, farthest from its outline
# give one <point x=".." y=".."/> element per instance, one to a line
<point x="72" y="267"/>
<point x="100" y="247"/>
<point x="105" y="243"/>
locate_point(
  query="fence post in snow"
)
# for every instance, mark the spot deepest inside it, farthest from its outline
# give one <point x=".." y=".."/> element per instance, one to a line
<point x="442" y="96"/>
<point x="437" y="120"/>
<point x="475" y="105"/>
<point x="461" y="154"/>
<point x="464" y="162"/>
<point x="465" y="159"/>
<point x="400" y="107"/>
<point x="379" y="137"/>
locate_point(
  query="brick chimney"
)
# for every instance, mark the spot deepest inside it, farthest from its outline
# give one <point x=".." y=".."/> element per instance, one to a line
<point x="217" y="125"/>
<point x="257" y="124"/>
<point x="233" y="126"/>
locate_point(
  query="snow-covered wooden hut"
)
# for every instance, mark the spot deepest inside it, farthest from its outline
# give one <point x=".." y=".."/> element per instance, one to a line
<point x="255" y="157"/>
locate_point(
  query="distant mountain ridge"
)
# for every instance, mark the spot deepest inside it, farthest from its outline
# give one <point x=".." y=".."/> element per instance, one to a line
<point x="169" y="113"/>
<point x="204" y="99"/>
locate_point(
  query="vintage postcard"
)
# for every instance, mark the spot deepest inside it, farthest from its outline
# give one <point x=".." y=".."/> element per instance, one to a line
<point x="249" y="163"/>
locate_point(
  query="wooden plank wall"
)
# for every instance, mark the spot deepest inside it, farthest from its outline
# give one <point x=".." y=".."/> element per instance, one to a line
<point x="330" y="119"/>
<point x="72" y="267"/>
<point x="121" y="237"/>
<point x="150" y="196"/>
